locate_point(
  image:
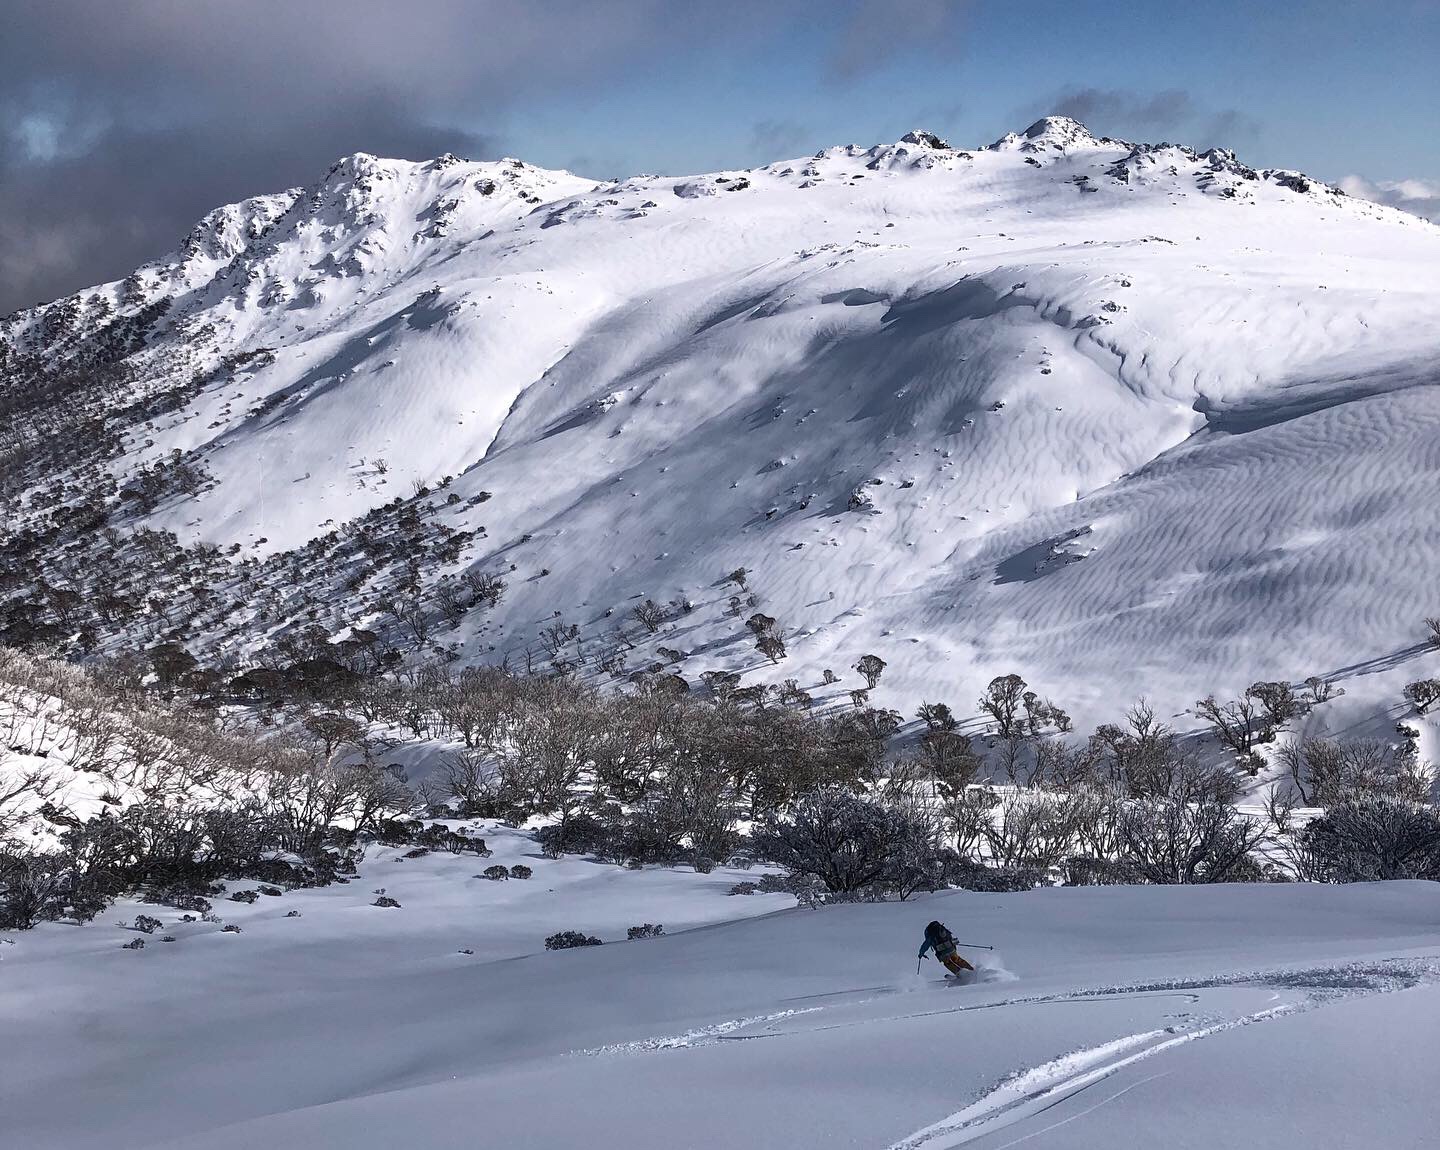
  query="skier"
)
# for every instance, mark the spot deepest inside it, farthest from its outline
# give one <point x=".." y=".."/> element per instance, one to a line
<point x="942" y="942"/>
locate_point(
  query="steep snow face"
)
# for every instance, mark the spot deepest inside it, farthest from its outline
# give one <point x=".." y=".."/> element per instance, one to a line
<point x="1123" y="417"/>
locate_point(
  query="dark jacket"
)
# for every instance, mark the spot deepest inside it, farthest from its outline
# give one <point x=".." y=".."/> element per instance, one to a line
<point x="938" y="939"/>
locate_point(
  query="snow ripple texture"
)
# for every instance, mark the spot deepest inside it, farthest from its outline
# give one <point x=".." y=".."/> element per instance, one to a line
<point x="1127" y="418"/>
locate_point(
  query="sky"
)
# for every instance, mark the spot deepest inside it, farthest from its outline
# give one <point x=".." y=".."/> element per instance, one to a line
<point x="123" y="123"/>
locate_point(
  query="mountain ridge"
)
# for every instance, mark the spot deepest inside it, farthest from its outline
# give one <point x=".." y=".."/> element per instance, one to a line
<point x="834" y="360"/>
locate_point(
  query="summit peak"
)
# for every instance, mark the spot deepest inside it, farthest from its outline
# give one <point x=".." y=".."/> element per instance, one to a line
<point x="1048" y="132"/>
<point x="925" y="139"/>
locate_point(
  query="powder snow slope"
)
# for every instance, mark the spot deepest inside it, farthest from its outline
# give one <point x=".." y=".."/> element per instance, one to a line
<point x="1269" y="1015"/>
<point x="1125" y="418"/>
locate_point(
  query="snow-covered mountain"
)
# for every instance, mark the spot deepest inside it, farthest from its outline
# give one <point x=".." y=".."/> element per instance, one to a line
<point x="1124" y="418"/>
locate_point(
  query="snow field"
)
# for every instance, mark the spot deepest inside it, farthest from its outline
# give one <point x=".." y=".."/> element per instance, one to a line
<point x="796" y="1028"/>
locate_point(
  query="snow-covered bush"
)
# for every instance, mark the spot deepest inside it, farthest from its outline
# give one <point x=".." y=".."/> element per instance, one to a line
<point x="1326" y="771"/>
<point x="849" y="843"/>
<point x="36" y="888"/>
<point x="1089" y="870"/>
<point x="647" y="930"/>
<point x="521" y="871"/>
<point x="1423" y="694"/>
<point x="569" y="940"/>
<point x="496" y="873"/>
<point x="147" y="924"/>
<point x="1278" y="699"/>
<point x="1236" y="724"/>
<point x="647" y="836"/>
<point x="1376" y="837"/>
<point x="178" y="898"/>
<point x="970" y="875"/>
<point x="1178" y="841"/>
<point x="582" y="834"/>
<point x="472" y="779"/>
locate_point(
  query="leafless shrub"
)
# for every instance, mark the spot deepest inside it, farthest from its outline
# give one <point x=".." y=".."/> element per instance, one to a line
<point x="486" y="587"/>
<point x="473" y="780"/>
<point x="1170" y="841"/>
<point x="451" y="603"/>
<point x="557" y="635"/>
<point x="1327" y="771"/>
<point x="1318" y="690"/>
<point x="23" y="790"/>
<point x="1066" y="766"/>
<point x="1236" y="724"/>
<point x="1373" y="837"/>
<point x="1030" y="828"/>
<point x="412" y="613"/>
<point x="650" y="615"/>
<point x="1278" y="699"/>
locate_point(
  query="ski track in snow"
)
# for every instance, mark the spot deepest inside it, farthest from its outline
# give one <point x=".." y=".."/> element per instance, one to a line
<point x="1039" y="1088"/>
<point x="701" y="1036"/>
<point x="734" y="1030"/>
<point x="1035" y="1090"/>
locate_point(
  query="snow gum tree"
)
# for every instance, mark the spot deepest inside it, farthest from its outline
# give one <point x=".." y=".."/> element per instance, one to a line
<point x="871" y="667"/>
<point x="835" y="836"/>
<point x="1376" y="837"/>
<point x="1001" y="701"/>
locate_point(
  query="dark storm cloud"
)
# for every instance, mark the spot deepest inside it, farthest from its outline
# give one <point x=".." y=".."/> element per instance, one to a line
<point x="873" y="34"/>
<point x="1168" y="114"/>
<point x="120" y="124"/>
<point x="777" y="139"/>
<point x="1098" y="106"/>
<point x="81" y="218"/>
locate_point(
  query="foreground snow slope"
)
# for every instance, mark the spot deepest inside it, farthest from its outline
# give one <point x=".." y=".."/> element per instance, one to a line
<point x="1296" y="1015"/>
<point x="1127" y="419"/>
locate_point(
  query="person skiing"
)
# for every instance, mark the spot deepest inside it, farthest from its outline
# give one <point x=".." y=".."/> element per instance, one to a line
<point x="942" y="942"/>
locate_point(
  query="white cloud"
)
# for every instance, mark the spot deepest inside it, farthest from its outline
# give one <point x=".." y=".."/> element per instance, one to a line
<point x="1419" y="197"/>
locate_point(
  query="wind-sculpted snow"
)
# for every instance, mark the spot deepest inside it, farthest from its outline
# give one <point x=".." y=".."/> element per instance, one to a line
<point x="1122" y="417"/>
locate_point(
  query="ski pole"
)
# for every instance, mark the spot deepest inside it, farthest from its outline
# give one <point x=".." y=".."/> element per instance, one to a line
<point x="974" y="946"/>
<point x="918" y="961"/>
